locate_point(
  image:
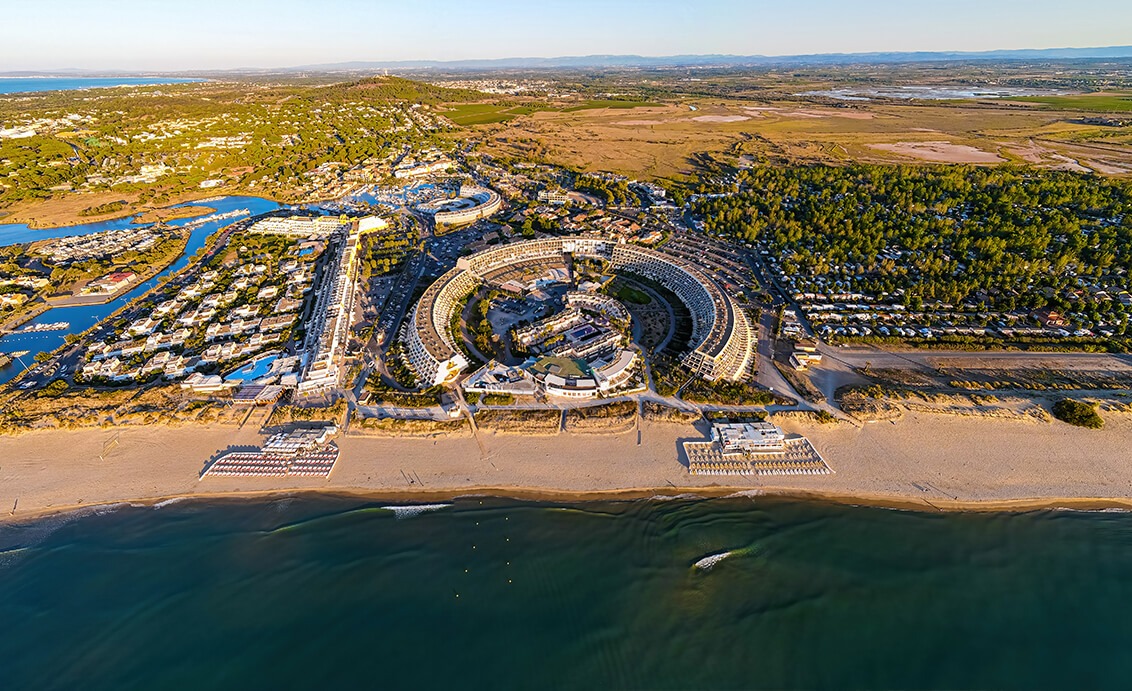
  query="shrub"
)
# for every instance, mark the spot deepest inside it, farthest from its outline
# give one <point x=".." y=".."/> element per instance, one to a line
<point x="1077" y="413"/>
<point x="498" y="399"/>
<point x="56" y="388"/>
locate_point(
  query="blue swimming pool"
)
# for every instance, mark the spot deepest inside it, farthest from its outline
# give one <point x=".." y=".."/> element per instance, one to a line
<point x="253" y="370"/>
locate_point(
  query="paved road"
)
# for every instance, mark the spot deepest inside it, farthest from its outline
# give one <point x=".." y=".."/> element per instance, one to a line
<point x="860" y="356"/>
<point x="768" y="375"/>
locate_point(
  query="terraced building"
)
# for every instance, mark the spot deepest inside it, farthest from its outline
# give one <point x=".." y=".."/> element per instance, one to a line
<point x="722" y="344"/>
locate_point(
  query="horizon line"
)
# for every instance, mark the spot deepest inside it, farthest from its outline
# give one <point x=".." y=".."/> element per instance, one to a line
<point x="702" y="59"/>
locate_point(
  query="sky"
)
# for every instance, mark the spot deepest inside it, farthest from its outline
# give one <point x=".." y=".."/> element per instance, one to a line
<point x="222" y="34"/>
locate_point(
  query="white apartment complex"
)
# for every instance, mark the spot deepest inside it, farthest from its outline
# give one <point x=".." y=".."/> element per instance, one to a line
<point x="722" y="344"/>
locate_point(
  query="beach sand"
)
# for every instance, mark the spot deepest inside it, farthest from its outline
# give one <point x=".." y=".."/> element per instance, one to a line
<point x="926" y="460"/>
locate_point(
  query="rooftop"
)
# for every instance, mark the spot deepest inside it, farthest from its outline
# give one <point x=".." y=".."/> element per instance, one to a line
<point x="563" y="367"/>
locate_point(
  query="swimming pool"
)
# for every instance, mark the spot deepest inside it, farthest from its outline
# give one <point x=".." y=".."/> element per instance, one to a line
<point x="253" y="370"/>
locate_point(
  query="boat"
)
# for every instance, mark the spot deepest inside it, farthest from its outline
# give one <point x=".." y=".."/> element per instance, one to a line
<point x="50" y="326"/>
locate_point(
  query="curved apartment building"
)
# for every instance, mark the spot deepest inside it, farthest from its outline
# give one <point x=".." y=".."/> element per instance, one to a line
<point x="486" y="202"/>
<point x="722" y="344"/>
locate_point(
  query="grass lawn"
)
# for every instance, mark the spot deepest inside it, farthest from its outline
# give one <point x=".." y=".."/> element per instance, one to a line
<point x="630" y="294"/>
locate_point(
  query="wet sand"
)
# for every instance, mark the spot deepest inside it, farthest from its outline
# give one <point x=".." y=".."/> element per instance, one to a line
<point x="924" y="460"/>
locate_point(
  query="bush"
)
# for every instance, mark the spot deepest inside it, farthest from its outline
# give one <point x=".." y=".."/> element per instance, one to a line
<point x="1077" y="413"/>
<point x="498" y="399"/>
<point x="726" y="392"/>
<point x="56" y="388"/>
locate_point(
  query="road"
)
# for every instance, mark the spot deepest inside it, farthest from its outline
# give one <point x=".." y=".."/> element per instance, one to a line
<point x="860" y="356"/>
<point x="768" y="374"/>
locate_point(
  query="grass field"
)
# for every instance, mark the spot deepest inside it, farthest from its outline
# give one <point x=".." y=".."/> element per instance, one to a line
<point x="1112" y="102"/>
<point x="632" y="295"/>
<point x="468" y="114"/>
<point x="591" y="105"/>
<point x="664" y="140"/>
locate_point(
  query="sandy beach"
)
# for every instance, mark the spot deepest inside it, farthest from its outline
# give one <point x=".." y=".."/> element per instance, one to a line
<point x="925" y="460"/>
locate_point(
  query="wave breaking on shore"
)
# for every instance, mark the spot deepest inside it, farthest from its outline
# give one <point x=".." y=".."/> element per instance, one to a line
<point x="413" y="510"/>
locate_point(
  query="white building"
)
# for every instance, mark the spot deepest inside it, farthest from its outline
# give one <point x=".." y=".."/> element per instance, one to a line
<point x="299" y="226"/>
<point x="748" y="437"/>
<point x="722" y="344"/>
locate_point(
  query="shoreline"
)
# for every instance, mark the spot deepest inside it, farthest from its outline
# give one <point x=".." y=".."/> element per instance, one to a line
<point x="924" y="462"/>
<point x="551" y="496"/>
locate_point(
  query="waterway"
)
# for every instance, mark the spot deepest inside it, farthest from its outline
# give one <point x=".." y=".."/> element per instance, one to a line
<point x="83" y="317"/>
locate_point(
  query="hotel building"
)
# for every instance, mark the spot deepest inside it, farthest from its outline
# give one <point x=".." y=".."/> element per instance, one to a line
<point x="722" y="344"/>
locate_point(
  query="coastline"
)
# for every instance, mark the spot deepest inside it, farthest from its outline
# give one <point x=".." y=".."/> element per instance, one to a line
<point x="61" y="471"/>
<point x="533" y="494"/>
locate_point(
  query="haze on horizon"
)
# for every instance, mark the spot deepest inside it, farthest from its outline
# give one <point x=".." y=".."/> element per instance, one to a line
<point x="210" y="34"/>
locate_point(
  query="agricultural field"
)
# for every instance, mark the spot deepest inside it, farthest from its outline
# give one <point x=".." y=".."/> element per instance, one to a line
<point x="661" y="125"/>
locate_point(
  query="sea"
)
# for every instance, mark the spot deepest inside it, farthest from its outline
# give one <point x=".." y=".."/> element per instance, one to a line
<point x="488" y="593"/>
<point x="17" y="85"/>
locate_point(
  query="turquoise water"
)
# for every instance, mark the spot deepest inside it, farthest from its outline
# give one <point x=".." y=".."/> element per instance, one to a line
<point x="83" y="317"/>
<point x="253" y="370"/>
<point x="486" y="594"/>
<point x="15" y="85"/>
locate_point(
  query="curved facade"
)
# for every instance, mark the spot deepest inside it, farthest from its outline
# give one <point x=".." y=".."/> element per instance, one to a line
<point x="487" y="202"/>
<point x="722" y="344"/>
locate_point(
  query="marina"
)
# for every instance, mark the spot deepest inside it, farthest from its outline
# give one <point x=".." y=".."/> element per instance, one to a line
<point x="212" y="218"/>
<point x="82" y="317"/>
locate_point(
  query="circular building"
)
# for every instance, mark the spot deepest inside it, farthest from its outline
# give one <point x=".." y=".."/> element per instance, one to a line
<point x="473" y="204"/>
<point x="722" y="344"/>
